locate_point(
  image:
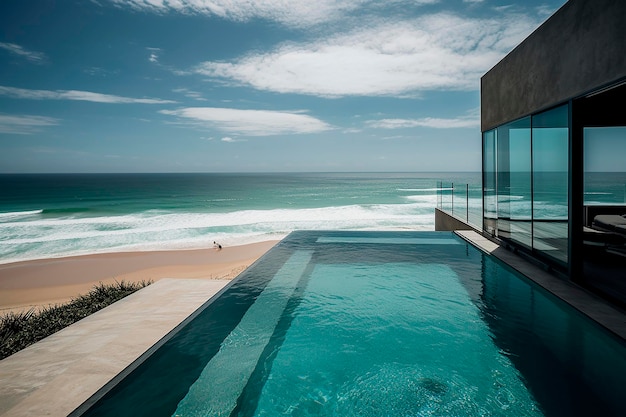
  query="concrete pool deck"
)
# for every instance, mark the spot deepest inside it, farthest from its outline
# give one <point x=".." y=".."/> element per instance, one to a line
<point x="56" y="375"/>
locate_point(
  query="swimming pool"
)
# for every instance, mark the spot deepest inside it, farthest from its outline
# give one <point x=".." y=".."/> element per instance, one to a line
<point x="377" y="324"/>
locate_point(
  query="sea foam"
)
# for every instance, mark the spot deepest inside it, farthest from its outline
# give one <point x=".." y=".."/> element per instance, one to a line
<point x="38" y="237"/>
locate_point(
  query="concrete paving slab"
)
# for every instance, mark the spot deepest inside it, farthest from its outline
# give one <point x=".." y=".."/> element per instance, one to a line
<point x="56" y="375"/>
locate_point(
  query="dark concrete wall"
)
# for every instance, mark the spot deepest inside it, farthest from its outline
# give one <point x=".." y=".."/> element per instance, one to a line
<point x="582" y="47"/>
<point x="444" y="222"/>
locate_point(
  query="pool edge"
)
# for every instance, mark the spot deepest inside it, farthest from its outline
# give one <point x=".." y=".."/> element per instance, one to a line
<point x="59" y="375"/>
<point x="586" y="303"/>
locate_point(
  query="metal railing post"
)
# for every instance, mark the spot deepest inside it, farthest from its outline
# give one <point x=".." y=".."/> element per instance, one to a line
<point x="439" y="195"/>
<point x="452" y="198"/>
<point x="467" y="202"/>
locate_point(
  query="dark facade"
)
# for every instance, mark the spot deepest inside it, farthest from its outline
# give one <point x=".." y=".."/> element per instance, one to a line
<point x="579" y="49"/>
<point x="548" y="109"/>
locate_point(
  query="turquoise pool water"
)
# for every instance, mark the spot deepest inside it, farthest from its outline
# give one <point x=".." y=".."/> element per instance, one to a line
<point x="378" y="324"/>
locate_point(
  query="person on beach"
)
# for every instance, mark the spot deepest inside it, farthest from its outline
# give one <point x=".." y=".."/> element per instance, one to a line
<point x="217" y="246"/>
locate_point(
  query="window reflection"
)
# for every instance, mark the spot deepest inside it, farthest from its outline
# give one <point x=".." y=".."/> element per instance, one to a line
<point x="526" y="182"/>
<point x="490" y="211"/>
<point x="604" y="229"/>
<point x="514" y="182"/>
<point x="526" y="189"/>
<point x="550" y="182"/>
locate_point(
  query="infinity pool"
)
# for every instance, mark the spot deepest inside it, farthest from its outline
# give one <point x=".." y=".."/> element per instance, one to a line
<point x="377" y="324"/>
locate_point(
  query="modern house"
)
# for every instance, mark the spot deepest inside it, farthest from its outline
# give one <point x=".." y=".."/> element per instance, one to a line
<point x="553" y="127"/>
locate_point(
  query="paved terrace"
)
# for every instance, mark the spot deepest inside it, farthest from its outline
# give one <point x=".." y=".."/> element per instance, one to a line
<point x="56" y="375"/>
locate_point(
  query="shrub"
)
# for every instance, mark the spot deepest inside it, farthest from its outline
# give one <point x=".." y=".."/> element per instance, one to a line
<point x="19" y="330"/>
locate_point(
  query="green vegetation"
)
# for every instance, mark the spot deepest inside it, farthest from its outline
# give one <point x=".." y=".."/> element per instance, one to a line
<point x="19" y="330"/>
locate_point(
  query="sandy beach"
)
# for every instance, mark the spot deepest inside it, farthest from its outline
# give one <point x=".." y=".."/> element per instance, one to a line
<point x="39" y="283"/>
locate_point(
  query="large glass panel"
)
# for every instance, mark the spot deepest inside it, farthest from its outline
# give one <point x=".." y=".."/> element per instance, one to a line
<point x="475" y="203"/>
<point x="514" y="181"/>
<point x="604" y="255"/>
<point x="550" y="182"/>
<point x="460" y="197"/>
<point x="605" y="166"/>
<point x="490" y="210"/>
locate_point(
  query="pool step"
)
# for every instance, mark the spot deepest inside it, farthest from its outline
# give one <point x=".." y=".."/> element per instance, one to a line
<point x="216" y="391"/>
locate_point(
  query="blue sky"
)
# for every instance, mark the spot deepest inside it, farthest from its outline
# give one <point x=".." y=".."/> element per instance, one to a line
<point x="250" y="86"/>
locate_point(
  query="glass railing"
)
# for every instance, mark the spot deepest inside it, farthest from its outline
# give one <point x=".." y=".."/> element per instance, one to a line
<point x="461" y="200"/>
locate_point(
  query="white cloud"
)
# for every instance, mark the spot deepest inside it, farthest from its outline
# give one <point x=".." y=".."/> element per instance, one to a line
<point x="546" y="11"/>
<point x="432" y="122"/>
<point x="154" y="55"/>
<point x="75" y="95"/>
<point x="228" y="139"/>
<point x="250" y="122"/>
<point x="35" y="57"/>
<point x="24" y="124"/>
<point x="403" y="58"/>
<point x="295" y="13"/>
<point x="189" y="93"/>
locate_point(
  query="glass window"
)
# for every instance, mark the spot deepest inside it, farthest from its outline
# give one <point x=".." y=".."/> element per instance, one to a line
<point x="604" y="255"/>
<point x="550" y="143"/>
<point x="514" y="181"/>
<point x="489" y="182"/>
<point x="605" y="166"/>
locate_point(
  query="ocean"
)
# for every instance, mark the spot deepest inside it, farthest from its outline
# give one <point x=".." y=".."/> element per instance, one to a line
<point x="56" y="215"/>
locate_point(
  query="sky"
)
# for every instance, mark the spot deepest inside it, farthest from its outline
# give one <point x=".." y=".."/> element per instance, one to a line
<point x="250" y="85"/>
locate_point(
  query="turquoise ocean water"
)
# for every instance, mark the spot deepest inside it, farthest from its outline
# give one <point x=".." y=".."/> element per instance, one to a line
<point x="45" y="216"/>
